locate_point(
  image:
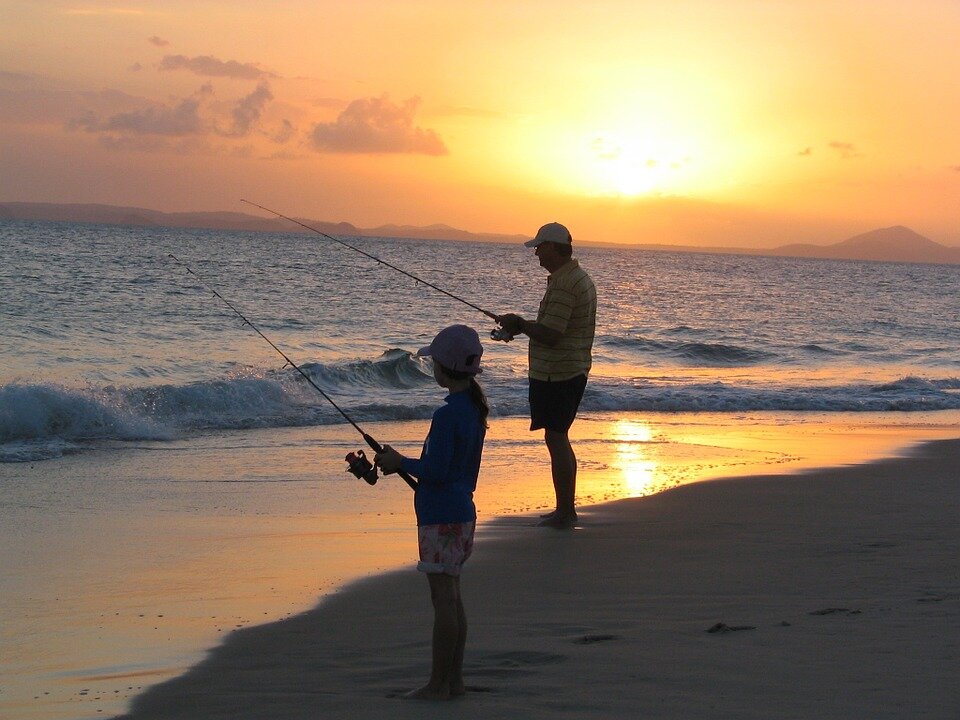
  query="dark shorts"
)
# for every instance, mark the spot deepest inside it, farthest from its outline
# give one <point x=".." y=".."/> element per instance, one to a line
<point x="553" y="405"/>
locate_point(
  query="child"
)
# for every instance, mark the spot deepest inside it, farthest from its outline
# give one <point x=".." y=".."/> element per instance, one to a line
<point x="447" y="472"/>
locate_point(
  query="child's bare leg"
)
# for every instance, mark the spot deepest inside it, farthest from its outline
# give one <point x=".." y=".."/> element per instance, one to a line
<point x="457" y="686"/>
<point x="444" y="591"/>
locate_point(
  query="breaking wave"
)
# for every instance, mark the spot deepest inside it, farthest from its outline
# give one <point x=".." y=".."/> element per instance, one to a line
<point x="42" y="421"/>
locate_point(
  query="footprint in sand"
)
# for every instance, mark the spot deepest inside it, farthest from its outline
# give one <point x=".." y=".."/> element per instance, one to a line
<point x="591" y="639"/>
<point x="508" y="664"/>
<point x="724" y="628"/>
<point x="836" y="611"/>
<point x="521" y="658"/>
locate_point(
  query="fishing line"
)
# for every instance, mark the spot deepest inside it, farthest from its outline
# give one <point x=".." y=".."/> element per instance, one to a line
<point x="489" y="314"/>
<point x="359" y="465"/>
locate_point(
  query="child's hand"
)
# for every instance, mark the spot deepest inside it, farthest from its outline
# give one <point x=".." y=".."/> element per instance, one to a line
<point x="388" y="460"/>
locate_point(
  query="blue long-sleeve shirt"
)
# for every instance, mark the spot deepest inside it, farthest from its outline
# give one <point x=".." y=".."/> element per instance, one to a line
<point x="449" y="464"/>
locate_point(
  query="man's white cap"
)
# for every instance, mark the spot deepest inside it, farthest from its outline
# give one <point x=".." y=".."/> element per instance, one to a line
<point x="551" y="232"/>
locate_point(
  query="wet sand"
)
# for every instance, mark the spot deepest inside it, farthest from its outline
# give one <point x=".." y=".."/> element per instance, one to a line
<point x="124" y="565"/>
<point x="831" y="593"/>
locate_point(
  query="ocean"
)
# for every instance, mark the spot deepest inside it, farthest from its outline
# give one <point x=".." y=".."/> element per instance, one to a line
<point x="165" y="479"/>
<point x="107" y="339"/>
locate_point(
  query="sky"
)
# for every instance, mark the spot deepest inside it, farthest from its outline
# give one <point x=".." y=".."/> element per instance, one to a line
<point x="748" y="123"/>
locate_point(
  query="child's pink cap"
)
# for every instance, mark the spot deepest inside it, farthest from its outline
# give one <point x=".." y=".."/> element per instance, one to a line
<point x="457" y="348"/>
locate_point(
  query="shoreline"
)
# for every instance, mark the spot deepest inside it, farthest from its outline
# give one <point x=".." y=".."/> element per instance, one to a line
<point x="833" y="592"/>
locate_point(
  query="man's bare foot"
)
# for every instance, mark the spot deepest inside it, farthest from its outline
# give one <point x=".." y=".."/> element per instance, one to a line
<point x="559" y="522"/>
<point x="556" y="513"/>
<point x="429" y="692"/>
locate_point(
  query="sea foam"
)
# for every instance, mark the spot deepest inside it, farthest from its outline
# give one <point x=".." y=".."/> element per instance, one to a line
<point x="39" y="421"/>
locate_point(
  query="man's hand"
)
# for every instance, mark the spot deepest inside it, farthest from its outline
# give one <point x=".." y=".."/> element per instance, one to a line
<point x="388" y="460"/>
<point x="510" y="322"/>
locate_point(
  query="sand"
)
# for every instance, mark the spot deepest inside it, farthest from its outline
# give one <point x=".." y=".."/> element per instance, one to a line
<point x="123" y="564"/>
<point x="830" y="593"/>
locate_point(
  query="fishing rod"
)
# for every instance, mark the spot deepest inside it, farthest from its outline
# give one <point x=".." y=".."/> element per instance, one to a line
<point x="358" y="463"/>
<point x="497" y="333"/>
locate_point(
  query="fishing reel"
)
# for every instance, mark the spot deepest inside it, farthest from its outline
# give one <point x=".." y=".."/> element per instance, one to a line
<point x="361" y="467"/>
<point x="501" y="334"/>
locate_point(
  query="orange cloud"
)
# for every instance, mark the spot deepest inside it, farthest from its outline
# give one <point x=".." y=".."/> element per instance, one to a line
<point x="32" y="100"/>
<point x="248" y="110"/>
<point x="846" y="150"/>
<point x="157" y="127"/>
<point x="183" y="118"/>
<point x="376" y="125"/>
<point x="285" y="132"/>
<point x="210" y="66"/>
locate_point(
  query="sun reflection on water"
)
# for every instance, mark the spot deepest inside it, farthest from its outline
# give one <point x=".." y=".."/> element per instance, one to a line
<point x="632" y="456"/>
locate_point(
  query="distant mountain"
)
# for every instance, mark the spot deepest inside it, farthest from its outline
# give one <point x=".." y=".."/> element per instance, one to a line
<point x="439" y="232"/>
<point x="892" y="244"/>
<point x="114" y="215"/>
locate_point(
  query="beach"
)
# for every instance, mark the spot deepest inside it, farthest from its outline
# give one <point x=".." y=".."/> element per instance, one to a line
<point x="225" y="252"/>
<point x="170" y="490"/>
<point x="828" y="594"/>
<point x="248" y="575"/>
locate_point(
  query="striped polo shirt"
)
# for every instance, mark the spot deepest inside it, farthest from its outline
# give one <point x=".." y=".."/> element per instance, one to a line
<point x="569" y="307"/>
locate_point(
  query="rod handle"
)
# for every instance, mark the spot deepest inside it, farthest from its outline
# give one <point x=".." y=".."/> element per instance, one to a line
<point x="377" y="447"/>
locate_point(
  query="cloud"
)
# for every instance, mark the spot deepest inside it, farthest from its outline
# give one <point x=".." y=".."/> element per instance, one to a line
<point x="241" y="152"/>
<point x="283" y="155"/>
<point x="605" y="149"/>
<point x="192" y="146"/>
<point x="30" y="100"/>
<point x="158" y="41"/>
<point x="846" y="150"/>
<point x="210" y="66"/>
<point x="182" y="125"/>
<point x="248" y="110"/>
<point x="15" y="77"/>
<point x="285" y="132"/>
<point x="182" y="119"/>
<point x="376" y="125"/>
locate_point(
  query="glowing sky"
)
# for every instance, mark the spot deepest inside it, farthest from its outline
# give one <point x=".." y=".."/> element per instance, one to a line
<point x="732" y="122"/>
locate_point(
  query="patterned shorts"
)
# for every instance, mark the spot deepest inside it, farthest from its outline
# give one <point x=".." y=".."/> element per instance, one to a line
<point x="445" y="548"/>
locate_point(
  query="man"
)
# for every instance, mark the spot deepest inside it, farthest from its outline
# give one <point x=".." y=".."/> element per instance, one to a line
<point x="560" y="347"/>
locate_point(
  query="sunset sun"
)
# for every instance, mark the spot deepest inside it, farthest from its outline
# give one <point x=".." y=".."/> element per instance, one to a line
<point x="633" y="165"/>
